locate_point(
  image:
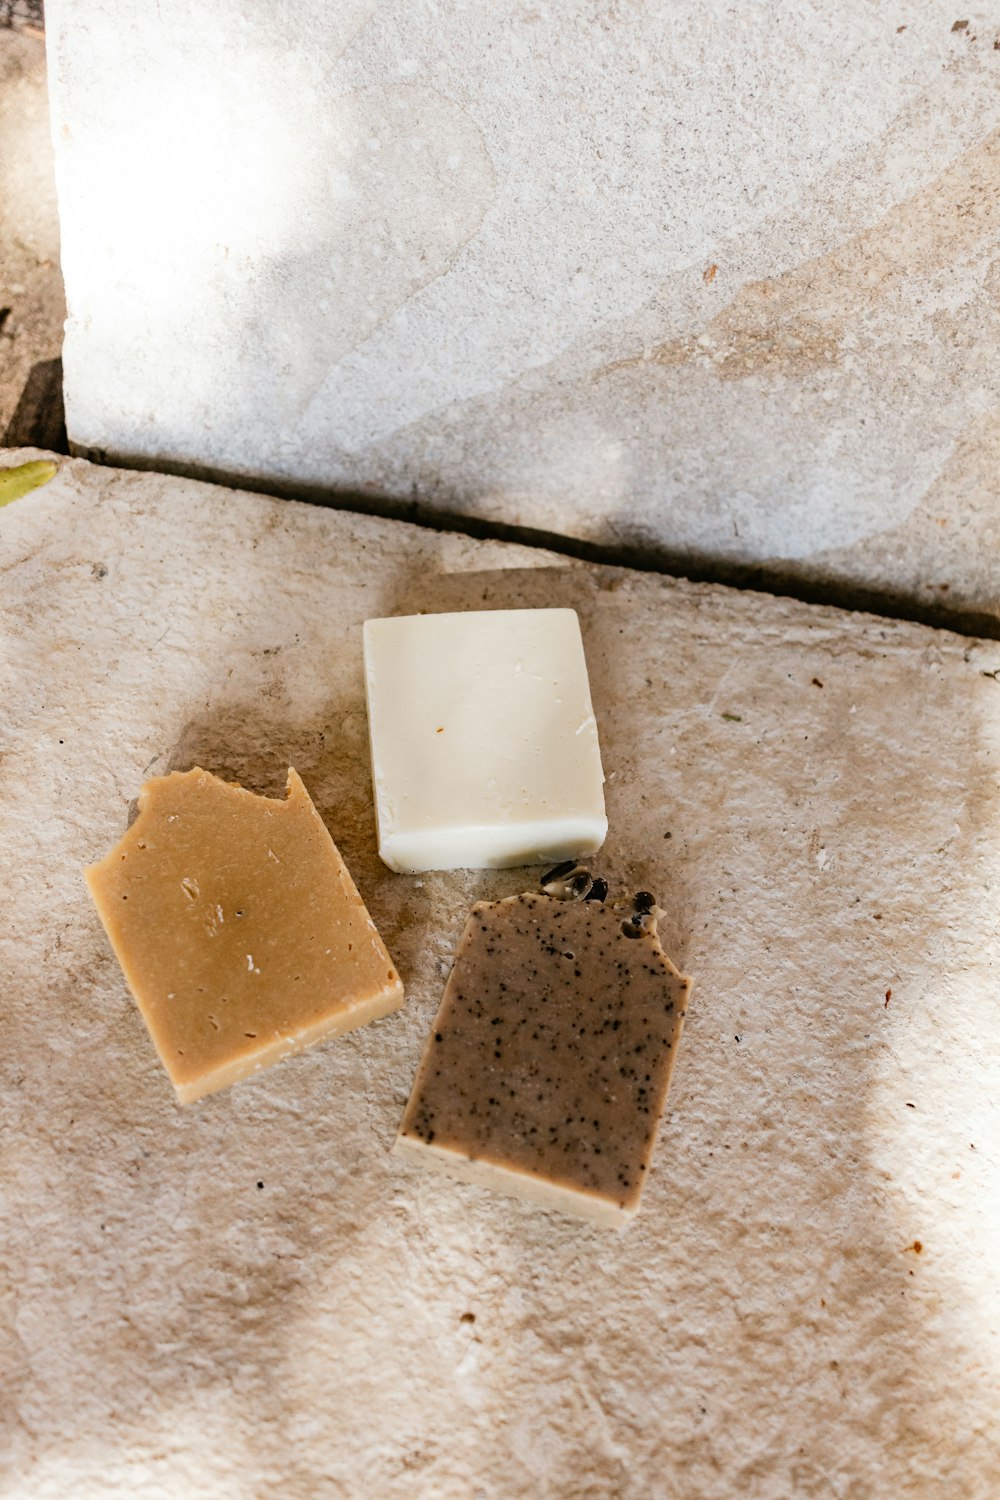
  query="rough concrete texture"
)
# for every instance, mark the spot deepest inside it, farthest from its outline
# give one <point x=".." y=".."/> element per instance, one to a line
<point x="32" y="304"/>
<point x="249" y="1297"/>
<point x="716" y="282"/>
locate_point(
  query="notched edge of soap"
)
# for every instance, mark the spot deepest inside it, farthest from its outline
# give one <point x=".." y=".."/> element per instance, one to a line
<point x="248" y="1065"/>
<point x="482" y="1172"/>
<point x="295" y="789"/>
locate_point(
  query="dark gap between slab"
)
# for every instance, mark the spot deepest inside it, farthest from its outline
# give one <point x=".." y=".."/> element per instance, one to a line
<point x="759" y="578"/>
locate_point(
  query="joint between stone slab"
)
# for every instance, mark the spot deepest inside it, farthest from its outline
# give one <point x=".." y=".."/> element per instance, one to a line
<point x="757" y="578"/>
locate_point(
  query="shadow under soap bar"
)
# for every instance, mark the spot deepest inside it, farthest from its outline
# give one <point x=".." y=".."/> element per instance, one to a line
<point x="239" y="929"/>
<point x="548" y="1066"/>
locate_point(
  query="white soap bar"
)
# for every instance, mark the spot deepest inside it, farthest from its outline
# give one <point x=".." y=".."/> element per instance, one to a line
<point x="483" y="740"/>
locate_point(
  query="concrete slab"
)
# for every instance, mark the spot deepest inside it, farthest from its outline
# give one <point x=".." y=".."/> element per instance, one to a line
<point x="250" y="1297"/>
<point x="716" y="284"/>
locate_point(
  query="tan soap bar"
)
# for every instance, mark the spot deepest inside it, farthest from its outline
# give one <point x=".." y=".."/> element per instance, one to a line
<point x="239" y="929"/>
<point x="548" y="1066"/>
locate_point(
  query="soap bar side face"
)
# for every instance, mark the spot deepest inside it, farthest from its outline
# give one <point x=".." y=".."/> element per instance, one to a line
<point x="483" y="739"/>
<point x="238" y="928"/>
<point x="550" y="1058"/>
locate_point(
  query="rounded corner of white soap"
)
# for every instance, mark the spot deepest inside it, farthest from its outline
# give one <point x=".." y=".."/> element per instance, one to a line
<point x="575" y="838"/>
<point x="596" y="839"/>
<point x="391" y="861"/>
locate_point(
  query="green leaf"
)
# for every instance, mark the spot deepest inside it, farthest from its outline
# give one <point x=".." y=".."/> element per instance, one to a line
<point x="18" y="481"/>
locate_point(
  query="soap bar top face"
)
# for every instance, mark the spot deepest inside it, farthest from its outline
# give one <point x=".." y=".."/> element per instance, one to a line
<point x="483" y="739"/>
<point x="547" y="1069"/>
<point x="239" y="930"/>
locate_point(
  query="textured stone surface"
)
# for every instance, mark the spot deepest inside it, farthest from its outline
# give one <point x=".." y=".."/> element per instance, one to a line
<point x="250" y="1297"/>
<point x="715" y="281"/>
<point x="32" y="306"/>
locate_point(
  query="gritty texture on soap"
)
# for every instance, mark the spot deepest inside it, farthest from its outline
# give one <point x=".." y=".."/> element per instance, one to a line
<point x="547" y="1067"/>
<point x="483" y="739"/>
<point x="239" y="929"/>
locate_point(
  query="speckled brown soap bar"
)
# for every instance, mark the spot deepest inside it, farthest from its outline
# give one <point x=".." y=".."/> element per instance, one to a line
<point x="548" y="1066"/>
<point x="238" y="928"/>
